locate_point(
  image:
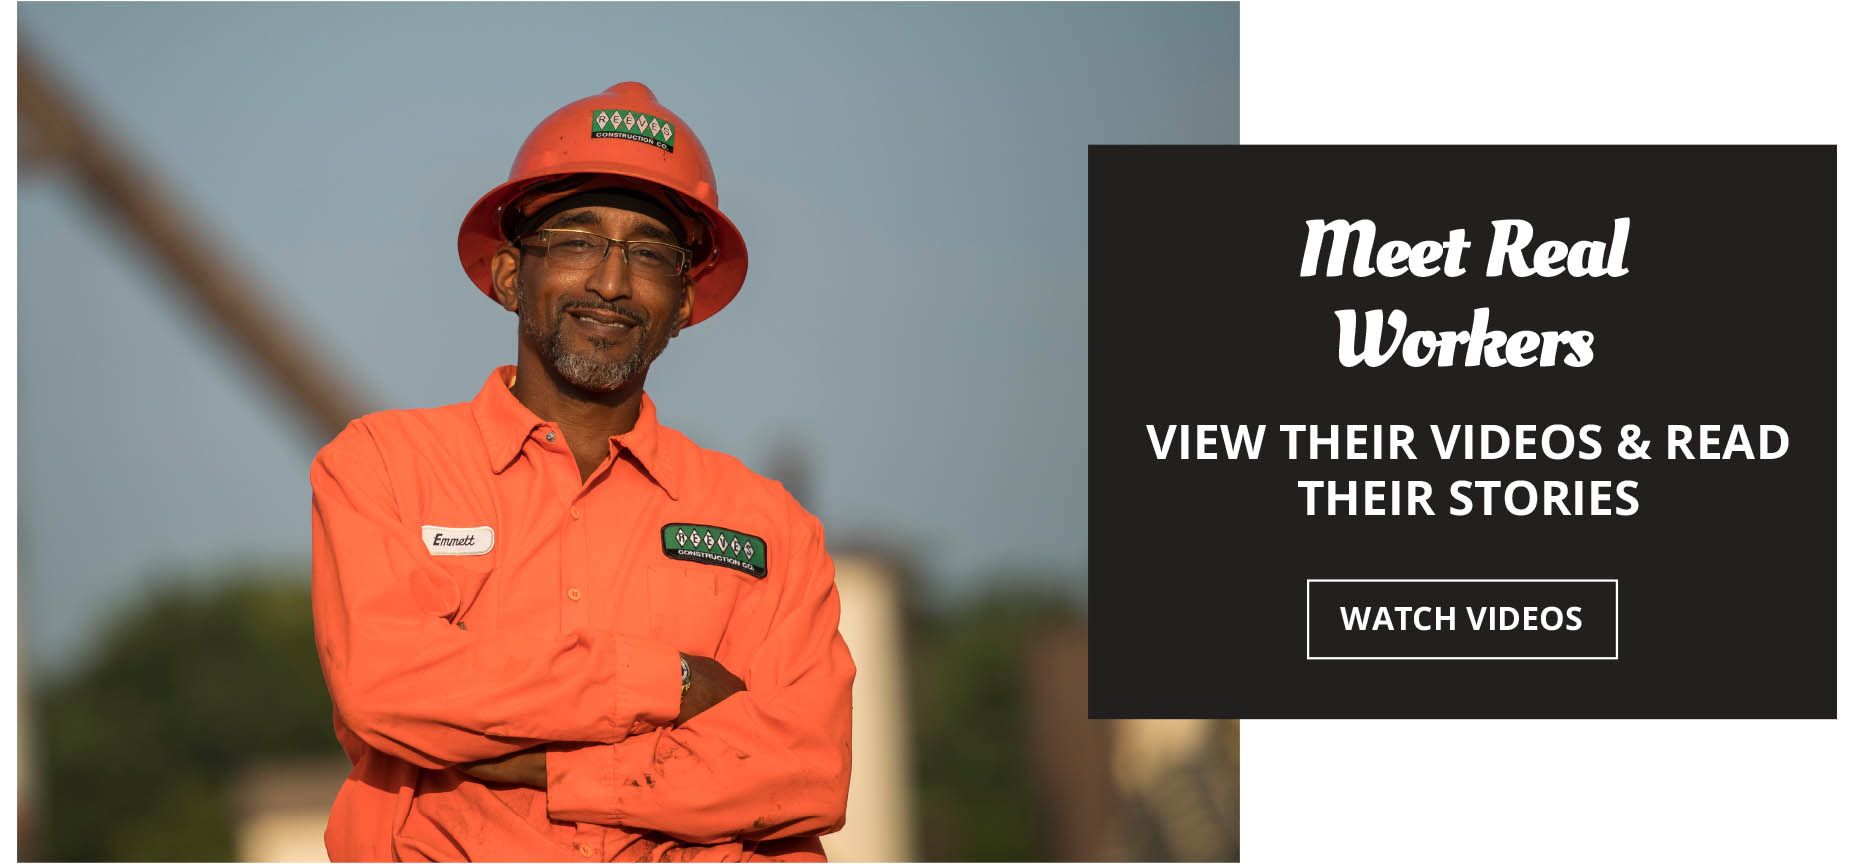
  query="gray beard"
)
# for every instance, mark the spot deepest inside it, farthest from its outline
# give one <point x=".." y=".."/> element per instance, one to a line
<point x="586" y="371"/>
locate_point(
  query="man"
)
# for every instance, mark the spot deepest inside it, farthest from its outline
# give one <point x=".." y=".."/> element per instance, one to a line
<point x="552" y="628"/>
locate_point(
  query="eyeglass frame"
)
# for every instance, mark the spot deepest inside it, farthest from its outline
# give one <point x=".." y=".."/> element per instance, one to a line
<point x="689" y="255"/>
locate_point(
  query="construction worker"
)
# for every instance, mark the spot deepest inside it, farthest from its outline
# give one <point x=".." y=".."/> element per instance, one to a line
<point x="553" y="628"/>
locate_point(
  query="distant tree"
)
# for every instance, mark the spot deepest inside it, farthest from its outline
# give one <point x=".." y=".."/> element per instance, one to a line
<point x="141" y="745"/>
<point x="979" y="800"/>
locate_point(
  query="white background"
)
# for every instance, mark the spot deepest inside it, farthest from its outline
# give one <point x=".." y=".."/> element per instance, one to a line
<point x="1585" y="73"/>
<point x="1555" y="73"/>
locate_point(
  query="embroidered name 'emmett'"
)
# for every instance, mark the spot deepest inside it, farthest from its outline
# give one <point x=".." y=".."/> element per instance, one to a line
<point x="443" y="540"/>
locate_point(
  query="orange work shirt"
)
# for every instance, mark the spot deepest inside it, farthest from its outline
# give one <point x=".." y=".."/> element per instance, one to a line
<point x="474" y="598"/>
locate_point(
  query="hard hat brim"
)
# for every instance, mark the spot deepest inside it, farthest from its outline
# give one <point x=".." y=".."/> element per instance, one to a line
<point x="715" y="280"/>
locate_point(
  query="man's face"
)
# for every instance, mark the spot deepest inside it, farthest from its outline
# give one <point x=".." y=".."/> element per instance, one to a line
<point x="598" y="327"/>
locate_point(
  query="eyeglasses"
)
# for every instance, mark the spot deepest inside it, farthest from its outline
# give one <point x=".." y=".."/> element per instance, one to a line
<point x="567" y="249"/>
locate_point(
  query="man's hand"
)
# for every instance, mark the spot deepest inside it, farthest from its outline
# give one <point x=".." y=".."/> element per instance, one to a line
<point x="527" y="768"/>
<point x="709" y="683"/>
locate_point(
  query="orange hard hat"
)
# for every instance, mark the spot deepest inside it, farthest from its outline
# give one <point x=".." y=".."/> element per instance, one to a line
<point x="624" y="134"/>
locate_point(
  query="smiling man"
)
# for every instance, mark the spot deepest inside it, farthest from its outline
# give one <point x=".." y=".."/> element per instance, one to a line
<point x="553" y="628"/>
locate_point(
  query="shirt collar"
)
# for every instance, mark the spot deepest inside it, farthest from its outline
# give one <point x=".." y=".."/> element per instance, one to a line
<point x="506" y="425"/>
<point x="654" y="448"/>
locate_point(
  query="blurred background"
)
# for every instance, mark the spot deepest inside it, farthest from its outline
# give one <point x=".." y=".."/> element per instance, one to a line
<point x="237" y="229"/>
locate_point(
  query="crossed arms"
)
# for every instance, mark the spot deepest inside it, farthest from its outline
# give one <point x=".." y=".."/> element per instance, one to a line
<point x="596" y="717"/>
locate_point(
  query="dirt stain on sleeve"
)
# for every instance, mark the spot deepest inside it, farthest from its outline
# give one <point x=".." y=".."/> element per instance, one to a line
<point x="669" y="749"/>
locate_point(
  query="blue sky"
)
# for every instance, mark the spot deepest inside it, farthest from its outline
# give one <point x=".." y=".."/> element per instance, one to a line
<point x="911" y="181"/>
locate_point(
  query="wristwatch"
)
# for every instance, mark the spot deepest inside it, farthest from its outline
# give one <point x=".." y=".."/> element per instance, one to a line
<point x="685" y="661"/>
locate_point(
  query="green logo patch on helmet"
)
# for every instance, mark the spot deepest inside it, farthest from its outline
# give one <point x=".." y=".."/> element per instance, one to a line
<point x="634" y="126"/>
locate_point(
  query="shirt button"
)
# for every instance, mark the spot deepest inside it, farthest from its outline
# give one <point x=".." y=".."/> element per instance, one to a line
<point x="575" y="511"/>
<point x="585" y="850"/>
<point x="550" y="437"/>
<point x="573" y="593"/>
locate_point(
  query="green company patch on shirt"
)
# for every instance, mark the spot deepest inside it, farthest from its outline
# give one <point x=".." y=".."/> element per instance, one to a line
<point x="634" y="126"/>
<point x="707" y="544"/>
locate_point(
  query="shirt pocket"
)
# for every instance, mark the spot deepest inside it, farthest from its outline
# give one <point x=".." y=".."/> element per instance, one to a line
<point x="692" y="604"/>
<point x="450" y="586"/>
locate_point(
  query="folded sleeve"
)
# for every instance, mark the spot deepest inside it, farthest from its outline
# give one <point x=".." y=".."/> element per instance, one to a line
<point x="772" y="761"/>
<point x="409" y="683"/>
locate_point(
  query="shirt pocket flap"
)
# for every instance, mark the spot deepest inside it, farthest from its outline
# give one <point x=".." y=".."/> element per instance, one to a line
<point x="446" y="586"/>
<point x="692" y="604"/>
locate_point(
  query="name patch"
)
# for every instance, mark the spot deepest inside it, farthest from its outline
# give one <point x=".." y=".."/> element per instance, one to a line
<point x="440" y="540"/>
<point x="707" y="544"/>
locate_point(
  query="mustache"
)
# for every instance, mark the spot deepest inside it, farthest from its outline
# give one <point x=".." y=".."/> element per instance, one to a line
<point x="637" y="316"/>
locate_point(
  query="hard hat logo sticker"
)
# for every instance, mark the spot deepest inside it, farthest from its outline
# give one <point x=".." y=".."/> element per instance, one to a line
<point x="633" y="126"/>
